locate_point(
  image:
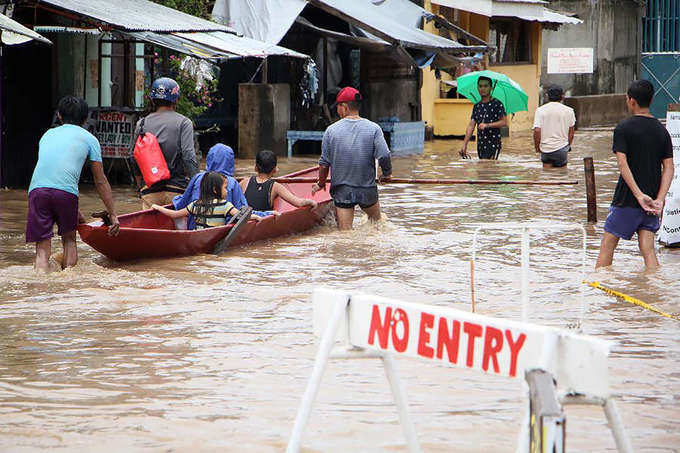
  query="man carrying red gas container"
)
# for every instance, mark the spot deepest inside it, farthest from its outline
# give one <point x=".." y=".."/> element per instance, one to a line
<point x="175" y="135"/>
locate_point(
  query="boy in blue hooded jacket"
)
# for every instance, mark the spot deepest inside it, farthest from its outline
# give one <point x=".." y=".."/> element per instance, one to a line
<point x="220" y="159"/>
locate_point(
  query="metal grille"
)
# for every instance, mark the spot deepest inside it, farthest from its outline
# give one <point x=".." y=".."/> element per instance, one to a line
<point x="661" y="32"/>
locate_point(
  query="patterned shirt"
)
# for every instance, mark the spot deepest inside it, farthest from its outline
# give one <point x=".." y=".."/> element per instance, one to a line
<point x="489" y="139"/>
<point x="215" y="215"/>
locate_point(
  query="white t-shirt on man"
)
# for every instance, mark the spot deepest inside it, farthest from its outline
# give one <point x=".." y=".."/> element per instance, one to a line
<point x="554" y="119"/>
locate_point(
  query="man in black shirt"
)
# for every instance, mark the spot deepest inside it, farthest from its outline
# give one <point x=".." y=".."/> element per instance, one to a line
<point x="642" y="146"/>
<point x="489" y="116"/>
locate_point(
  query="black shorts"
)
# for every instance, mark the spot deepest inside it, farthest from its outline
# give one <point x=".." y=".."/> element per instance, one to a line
<point x="347" y="197"/>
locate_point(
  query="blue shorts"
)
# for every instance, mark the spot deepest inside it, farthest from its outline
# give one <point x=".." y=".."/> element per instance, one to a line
<point x="623" y="222"/>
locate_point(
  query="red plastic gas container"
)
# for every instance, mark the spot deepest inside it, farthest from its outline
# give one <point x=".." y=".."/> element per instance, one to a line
<point x="150" y="159"/>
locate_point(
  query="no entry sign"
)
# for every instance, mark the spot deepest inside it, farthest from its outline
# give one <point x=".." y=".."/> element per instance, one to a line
<point x="467" y="340"/>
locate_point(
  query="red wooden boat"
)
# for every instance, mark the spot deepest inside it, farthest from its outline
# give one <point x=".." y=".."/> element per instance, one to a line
<point x="150" y="234"/>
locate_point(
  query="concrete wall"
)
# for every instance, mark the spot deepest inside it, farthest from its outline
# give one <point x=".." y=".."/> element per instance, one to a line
<point x="610" y="27"/>
<point x="598" y="110"/>
<point x="390" y="87"/>
<point x="263" y="118"/>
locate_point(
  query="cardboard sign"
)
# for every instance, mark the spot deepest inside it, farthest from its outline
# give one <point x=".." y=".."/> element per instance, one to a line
<point x="114" y="130"/>
<point x="669" y="233"/>
<point x="577" y="60"/>
<point x="450" y="337"/>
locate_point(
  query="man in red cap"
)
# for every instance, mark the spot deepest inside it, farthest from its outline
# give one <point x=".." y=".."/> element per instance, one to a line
<point x="350" y="147"/>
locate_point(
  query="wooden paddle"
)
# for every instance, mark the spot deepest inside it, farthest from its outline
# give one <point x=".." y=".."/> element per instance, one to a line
<point x="444" y="181"/>
<point x="241" y="218"/>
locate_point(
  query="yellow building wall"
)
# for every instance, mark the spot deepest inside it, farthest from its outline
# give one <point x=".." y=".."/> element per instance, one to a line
<point x="429" y="90"/>
<point x="525" y="75"/>
<point x="451" y="116"/>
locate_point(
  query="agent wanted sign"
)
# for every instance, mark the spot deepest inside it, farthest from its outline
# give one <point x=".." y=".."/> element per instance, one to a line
<point x="113" y="129"/>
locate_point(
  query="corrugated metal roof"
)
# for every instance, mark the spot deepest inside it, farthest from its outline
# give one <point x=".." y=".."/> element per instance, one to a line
<point x="138" y="15"/>
<point x="385" y="20"/>
<point x="214" y="45"/>
<point x="11" y="28"/>
<point x="238" y="45"/>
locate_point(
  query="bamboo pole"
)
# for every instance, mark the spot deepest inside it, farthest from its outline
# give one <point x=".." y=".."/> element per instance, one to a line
<point x="444" y="181"/>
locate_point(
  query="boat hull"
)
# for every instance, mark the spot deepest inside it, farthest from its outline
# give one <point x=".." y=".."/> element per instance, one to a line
<point x="150" y="234"/>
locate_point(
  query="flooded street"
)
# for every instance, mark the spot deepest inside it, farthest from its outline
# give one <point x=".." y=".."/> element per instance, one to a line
<point x="210" y="353"/>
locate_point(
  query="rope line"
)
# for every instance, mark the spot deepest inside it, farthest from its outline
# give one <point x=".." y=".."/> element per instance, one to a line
<point x="631" y="300"/>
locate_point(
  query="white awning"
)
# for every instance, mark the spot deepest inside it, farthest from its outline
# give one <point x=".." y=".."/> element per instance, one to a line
<point x="12" y="32"/>
<point x="529" y="10"/>
<point x="395" y="22"/>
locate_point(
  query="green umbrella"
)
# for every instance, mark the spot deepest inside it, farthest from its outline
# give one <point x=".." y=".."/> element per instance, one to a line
<point x="505" y="89"/>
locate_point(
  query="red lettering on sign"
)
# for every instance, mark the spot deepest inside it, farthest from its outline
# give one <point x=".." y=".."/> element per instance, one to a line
<point x="493" y="343"/>
<point x="426" y="323"/>
<point x="383" y="329"/>
<point x="473" y="330"/>
<point x="448" y="341"/>
<point x="515" y="347"/>
<point x="400" y="344"/>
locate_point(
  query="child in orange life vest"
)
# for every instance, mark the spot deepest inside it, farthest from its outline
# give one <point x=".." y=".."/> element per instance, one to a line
<point x="211" y="209"/>
<point x="262" y="190"/>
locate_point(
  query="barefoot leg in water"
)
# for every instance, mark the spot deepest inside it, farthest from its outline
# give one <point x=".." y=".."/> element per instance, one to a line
<point x="42" y="254"/>
<point x="70" y="258"/>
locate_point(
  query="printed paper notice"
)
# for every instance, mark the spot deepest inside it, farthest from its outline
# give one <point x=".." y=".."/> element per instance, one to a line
<point x="577" y="60"/>
<point x="669" y="233"/>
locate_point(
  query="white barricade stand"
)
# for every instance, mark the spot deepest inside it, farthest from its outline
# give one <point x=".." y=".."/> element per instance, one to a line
<point x="525" y="229"/>
<point x="377" y="327"/>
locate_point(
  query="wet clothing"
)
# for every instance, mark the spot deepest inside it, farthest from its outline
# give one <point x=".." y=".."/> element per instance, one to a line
<point x="259" y="195"/>
<point x="646" y="143"/>
<point x="46" y="207"/>
<point x="557" y="158"/>
<point x="216" y="213"/>
<point x="489" y="139"/>
<point x="220" y="159"/>
<point x="554" y="119"/>
<point x="624" y="221"/>
<point x="62" y="152"/>
<point x="350" y="147"/>
<point x="175" y="134"/>
<point x="348" y="197"/>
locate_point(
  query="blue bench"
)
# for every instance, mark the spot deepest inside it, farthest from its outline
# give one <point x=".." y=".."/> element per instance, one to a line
<point x="403" y="137"/>
<point x="293" y="136"/>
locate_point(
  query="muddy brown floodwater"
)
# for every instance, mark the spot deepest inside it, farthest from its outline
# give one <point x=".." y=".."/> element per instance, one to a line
<point x="213" y="354"/>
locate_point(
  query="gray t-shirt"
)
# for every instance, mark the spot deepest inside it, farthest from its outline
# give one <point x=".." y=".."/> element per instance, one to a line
<point x="175" y="134"/>
<point x="350" y="147"/>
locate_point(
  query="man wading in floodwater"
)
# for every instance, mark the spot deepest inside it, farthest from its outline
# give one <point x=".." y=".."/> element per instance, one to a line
<point x="489" y="116"/>
<point x="644" y="153"/>
<point x="350" y="148"/>
<point x="53" y="193"/>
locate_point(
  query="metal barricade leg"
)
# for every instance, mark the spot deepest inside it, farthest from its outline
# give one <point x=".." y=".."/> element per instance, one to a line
<point x="616" y="425"/>
<point x="402" y="404"/>
<point x="312" y="389"/>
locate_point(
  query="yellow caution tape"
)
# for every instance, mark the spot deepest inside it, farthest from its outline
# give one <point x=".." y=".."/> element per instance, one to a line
<point x="630" y="299"/>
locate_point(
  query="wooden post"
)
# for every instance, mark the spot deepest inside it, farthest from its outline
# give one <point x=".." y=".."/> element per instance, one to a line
<point x="591" y="197"/>
<point x="547" y="420"/>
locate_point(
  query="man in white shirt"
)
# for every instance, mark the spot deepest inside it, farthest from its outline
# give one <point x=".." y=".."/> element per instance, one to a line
<point x="554" y="129"/>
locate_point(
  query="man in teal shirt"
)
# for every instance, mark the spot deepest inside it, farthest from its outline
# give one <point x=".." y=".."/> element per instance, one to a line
<point x="53" y="193"/>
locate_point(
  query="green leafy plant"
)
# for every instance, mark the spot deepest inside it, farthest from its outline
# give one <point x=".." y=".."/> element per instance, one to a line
<point x="198" y="8"/>
<point x="196" y="94"/>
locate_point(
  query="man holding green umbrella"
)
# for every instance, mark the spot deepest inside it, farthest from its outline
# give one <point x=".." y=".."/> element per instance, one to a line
<point x="494" y="95"/>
